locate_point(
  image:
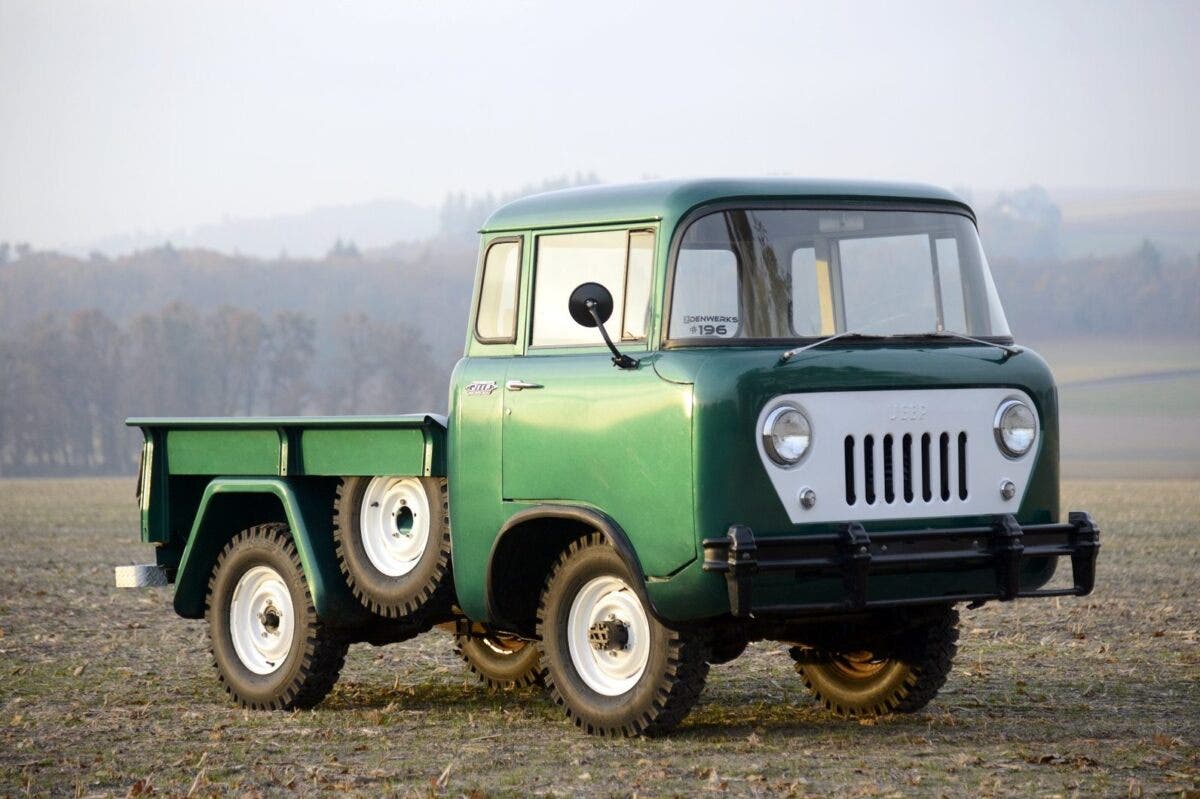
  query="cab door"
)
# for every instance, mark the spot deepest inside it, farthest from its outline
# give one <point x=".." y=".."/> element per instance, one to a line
<point x="476" y="409"/>
<point x="579" y="430"/>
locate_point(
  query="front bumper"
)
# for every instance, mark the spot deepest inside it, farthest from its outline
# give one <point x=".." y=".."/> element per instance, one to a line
<point x="855" y="557"/>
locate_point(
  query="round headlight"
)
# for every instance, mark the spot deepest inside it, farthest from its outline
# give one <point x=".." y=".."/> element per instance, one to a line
<point x="786" y="435"/>
<point x="1016" y="428"/>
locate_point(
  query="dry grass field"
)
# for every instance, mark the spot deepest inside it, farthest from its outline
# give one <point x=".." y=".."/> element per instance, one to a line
<point x="106" y="692"/>
<point x="1128" y="407"/>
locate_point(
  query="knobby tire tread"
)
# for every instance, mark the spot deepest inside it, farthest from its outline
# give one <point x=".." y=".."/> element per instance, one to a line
<point x="324" y="652"/>
<point x="678" y="689"/>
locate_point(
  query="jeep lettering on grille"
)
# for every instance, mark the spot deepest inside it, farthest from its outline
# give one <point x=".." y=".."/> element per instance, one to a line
<point x="907" y="411"/>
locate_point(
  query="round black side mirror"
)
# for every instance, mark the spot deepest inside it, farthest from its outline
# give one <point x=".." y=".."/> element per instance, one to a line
<point x="578" y="304"/>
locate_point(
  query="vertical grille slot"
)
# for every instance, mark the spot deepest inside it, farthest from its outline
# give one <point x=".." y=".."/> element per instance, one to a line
<point x="889" y="473"/>
<point x="926" y="479"/>
<point x="869" y="469"/>
<point x="906" y="449"/>
<point x="889" y="468"/>
<point x="849" y="460"/>
<point x="962" y="465"/>
<point x="944" y="464"/>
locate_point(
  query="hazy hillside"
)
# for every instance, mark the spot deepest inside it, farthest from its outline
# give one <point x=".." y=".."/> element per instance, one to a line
<point x="1105" y="222"/>
<point x="305" y="235"/>
<point x="85" y="342"/>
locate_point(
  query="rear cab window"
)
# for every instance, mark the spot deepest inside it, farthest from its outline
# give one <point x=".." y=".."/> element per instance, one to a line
<point x="496" y="317"/>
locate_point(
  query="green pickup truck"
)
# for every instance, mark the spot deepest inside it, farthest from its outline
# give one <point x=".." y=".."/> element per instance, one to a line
<point x="689" y="415"/>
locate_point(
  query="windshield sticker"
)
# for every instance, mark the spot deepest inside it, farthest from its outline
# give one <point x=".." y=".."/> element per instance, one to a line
<point x="710" y="324"/>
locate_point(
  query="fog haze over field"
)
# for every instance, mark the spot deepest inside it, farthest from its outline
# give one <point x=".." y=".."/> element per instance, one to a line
<point x="167" y="117"/>
<point x="270" y="208"/>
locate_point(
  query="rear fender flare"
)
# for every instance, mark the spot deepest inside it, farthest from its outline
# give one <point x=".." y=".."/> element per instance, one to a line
<point x="308" y="515"/>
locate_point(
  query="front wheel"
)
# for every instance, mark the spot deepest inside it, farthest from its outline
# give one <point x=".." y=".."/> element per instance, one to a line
<point x="268" y="646"/>
<point x="862" y="683"/>
<point x="613" y="667"/>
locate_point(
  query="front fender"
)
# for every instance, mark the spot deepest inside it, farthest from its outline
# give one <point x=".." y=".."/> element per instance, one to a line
<point x="231" y="504"/>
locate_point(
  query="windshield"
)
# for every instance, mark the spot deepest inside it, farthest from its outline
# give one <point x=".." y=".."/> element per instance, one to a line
<point x="797" y="274"/>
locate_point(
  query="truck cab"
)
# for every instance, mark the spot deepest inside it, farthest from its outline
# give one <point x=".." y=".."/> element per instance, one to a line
<point x="692" y="414"/>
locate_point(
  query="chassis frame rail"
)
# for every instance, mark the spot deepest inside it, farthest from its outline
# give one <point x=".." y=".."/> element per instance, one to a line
<point x="855" y="555"/>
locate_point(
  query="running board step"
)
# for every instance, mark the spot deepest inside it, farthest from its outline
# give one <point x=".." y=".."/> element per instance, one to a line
<point x="141" y="575"/>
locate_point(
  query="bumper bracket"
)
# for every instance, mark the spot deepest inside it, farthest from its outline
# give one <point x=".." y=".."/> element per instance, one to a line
<point x="854" y="555"/>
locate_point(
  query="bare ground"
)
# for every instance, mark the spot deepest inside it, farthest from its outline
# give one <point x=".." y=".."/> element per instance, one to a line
<point x="106" y="692"/>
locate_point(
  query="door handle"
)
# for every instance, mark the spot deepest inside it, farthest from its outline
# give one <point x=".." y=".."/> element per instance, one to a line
<point x="520" y="385"/>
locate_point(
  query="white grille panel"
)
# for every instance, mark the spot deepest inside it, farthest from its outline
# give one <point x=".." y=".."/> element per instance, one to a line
<point x="900" y="454"/>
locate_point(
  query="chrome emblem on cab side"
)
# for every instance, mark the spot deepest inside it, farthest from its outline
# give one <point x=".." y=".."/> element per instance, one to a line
<point x="480" y="388"/>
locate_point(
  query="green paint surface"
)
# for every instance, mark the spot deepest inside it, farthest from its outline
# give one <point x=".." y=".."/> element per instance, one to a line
<point x="305" y="509"/>
<point x="668" y="200"/>
<point x="615" y="440"/>
<point x="363" y="451"/>
<point x="275" y="446"/>
<point x="223" y="452"/>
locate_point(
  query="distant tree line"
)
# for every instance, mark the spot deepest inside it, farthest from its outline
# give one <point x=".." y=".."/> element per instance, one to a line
<point x="68" y="382"/>
<point x="1138" y="294"/>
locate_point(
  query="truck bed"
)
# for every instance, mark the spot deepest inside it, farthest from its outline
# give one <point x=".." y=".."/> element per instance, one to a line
<point x="329" y="446"/>
<point x="181" y="456"/>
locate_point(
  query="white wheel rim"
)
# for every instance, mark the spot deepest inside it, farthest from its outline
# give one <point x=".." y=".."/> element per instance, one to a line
<point x="262" y="621"/>
<point x="394" y="524"/>
<point x="608" y="672"/>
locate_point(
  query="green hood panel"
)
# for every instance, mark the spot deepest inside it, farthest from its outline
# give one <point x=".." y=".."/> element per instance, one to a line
<point x="733" y="384"/>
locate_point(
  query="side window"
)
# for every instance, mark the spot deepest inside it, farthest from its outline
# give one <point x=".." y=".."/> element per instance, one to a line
<point x="619" y="260"/>
<point x="496" y="322"/>
<point x="705" y="303"/>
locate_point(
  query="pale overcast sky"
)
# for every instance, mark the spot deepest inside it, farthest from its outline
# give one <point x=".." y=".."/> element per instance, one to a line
<point x="120" y="116"/>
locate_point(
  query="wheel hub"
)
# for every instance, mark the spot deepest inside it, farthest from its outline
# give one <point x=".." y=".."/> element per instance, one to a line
<point x="609" y="635"/>
<point x="261" y="623"/>
<point x="394" y="521"/>
<point x="858" y="665"/>
<point x="270" y="619"/>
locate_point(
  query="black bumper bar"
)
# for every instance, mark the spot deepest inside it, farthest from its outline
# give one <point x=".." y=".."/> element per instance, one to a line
<point x="854" y="555"/>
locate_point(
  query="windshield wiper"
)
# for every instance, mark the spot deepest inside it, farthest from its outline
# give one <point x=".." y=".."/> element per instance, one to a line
<point x="855" y="334"/>
<point x="1011" y="350"/>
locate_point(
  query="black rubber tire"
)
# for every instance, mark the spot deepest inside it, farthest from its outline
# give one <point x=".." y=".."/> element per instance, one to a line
<point x="501" y="662"/>
<point x="422" y="596"/>
<point x="674" y="676"/>
<point x="905" y="682"/>
<point x="317" y="654"/>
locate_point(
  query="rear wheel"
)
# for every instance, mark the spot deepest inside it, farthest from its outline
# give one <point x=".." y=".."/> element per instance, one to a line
<point x="862" y="683"/>
<point x="503" y="662"/>
<point x="613" y="667"/>
<point x="393" y="545"/>
<point x="268" y="646"/>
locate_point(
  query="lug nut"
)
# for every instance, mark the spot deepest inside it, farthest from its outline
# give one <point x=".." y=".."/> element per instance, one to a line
<point x="1008" y="490"/>
<point x="808" y="498"/>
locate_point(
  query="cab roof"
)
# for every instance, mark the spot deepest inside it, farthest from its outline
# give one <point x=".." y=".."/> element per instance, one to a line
<point x="669" y="200"/>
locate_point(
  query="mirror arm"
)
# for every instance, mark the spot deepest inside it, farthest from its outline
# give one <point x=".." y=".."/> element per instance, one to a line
<point x="619" y="360"/>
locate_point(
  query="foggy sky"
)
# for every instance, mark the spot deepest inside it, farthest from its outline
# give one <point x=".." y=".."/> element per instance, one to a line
<point x="126" y="116"/>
